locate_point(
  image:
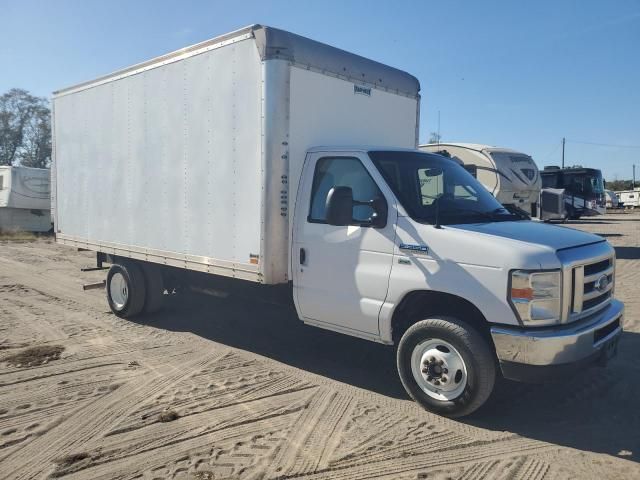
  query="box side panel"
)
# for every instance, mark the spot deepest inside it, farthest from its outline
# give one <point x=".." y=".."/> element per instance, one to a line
<point x="166" y="161"/>
<point x="325" y="110"/>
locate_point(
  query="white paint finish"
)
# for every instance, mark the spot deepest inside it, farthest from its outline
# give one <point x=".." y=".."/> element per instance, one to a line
<point x="168" y="159"/>
<point x="629" y="198"/>
<point x="197" y="157"/>
<point x="325" y="111"/>
<point x="345" y="276"/>
<point x="461" y="262"/>
<point x="25" y="199"/>
<point x="24" y="187"/>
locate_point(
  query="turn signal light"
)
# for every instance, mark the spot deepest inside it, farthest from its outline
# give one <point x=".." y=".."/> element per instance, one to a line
<point x="522" y="293"/>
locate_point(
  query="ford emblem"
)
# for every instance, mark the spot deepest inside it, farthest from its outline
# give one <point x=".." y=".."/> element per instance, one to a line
<point x="601" y="283"/>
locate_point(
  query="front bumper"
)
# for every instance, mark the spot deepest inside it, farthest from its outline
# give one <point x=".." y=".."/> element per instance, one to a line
<point x="547" y="353"/>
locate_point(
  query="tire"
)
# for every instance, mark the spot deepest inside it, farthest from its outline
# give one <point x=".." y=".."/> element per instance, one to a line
<point x="469" y="354"/>
<point x="154" y="298"/>
<point x="126" y="289"/>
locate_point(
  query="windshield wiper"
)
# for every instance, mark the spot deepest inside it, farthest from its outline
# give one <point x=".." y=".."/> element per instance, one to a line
<point x="515" y="210"/>
<point x="492" y="215"/>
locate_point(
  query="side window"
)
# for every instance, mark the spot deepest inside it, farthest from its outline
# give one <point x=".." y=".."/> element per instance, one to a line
<point x="548" y="181"/>
<point x="1" y="182"/>
<point x="431" y="184"/>
<point x="342" y="172"/>
<point x="472" y="169"/>
<point x="465" y="192"/>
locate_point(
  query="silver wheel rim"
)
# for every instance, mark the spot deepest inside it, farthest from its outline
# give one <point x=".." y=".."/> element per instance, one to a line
<point x="439" y="369"/>
<point x="118" y="290"/>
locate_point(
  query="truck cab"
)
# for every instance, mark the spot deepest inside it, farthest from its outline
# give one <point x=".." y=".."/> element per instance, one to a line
<point x="406" y="247"/>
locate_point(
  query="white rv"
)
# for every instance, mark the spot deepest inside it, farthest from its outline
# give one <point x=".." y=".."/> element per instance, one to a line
<point x="512" y="177"/>
<point x="243" y="169"/>
<point x="25" y="199"/>
<point x="629" y="198"/>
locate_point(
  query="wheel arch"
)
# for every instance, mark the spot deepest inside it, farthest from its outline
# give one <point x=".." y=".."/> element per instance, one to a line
<point x="417" y="305"/>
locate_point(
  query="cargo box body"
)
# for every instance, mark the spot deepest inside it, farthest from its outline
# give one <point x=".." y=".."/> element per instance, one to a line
<point x="193" y="159"/>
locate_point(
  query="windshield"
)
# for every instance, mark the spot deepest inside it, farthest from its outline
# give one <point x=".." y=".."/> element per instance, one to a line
<point x="432" y="188"/>
<point x="587" y="184"/>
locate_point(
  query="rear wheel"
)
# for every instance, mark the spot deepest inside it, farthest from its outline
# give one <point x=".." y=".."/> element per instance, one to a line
<point x="126" y="289"/>
<point x="446" y="366"/>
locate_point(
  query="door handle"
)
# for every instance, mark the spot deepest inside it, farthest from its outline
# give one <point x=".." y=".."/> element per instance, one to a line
<point x="303" y="256"/>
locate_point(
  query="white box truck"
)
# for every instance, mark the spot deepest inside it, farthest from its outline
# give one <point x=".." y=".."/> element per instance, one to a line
<point x="234" y="161"/>
<point x="25" y="199"/>
<point x="511" y="176"/>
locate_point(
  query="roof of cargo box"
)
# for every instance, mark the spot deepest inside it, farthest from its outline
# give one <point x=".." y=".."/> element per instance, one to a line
<point x="273" y="43"/>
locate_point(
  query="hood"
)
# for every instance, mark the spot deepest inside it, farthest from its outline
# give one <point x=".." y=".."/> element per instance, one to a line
<point x="543" y="234"/>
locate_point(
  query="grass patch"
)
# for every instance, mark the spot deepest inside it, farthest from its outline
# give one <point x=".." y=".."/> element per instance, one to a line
<point x="17" y="236"/>
<point x="33" y="356"/>
<point x="168" y="416"/>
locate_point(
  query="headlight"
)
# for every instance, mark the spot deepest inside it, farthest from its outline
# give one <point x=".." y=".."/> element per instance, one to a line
<point x="535" y="296"/>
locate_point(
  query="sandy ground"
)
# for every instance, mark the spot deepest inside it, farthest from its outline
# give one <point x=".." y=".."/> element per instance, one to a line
<point x="227" y="388"/>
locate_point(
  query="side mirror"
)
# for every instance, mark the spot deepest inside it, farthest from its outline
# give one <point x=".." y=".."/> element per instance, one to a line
<point x="380" y="212"/>
<point x="339" y="206"/>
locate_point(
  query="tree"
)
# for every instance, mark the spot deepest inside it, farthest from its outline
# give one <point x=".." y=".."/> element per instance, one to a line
<point x="36" y="143"/>
<point x="25" y="129"/>
<point x="434" y="137"/>
<point x="617" y="185"/>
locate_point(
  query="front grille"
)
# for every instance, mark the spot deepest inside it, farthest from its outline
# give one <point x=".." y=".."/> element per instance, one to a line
<point x="597" y="267"/>
<point x="592" y="287"/>
<point x="594" y="302"/>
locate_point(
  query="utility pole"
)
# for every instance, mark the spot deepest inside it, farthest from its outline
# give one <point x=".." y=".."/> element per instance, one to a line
<point x="633" y="182"/>
<point x="439" y="128"/>
<point x="563" y="140"/>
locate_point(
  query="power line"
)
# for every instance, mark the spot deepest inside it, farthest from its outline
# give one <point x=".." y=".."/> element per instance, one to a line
<point x="555" y="149"/>
<point x="604" y="144"/>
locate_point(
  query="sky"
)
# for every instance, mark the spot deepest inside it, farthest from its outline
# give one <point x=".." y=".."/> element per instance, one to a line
<point x="513" y="74"/>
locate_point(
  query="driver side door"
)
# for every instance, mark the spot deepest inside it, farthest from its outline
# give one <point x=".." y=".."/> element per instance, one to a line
<point x="341" y="273"/>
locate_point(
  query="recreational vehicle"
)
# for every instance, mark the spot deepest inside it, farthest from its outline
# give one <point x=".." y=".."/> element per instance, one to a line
<point x="629" y="198"/>
<point x="25" y="199"/>
<point x="611" y="200"/>
<point x="511" y="176"/>
<point x="583" y="189"/>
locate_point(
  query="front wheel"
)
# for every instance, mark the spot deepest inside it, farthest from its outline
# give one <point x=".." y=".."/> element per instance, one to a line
<point x="446" y="366"/>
